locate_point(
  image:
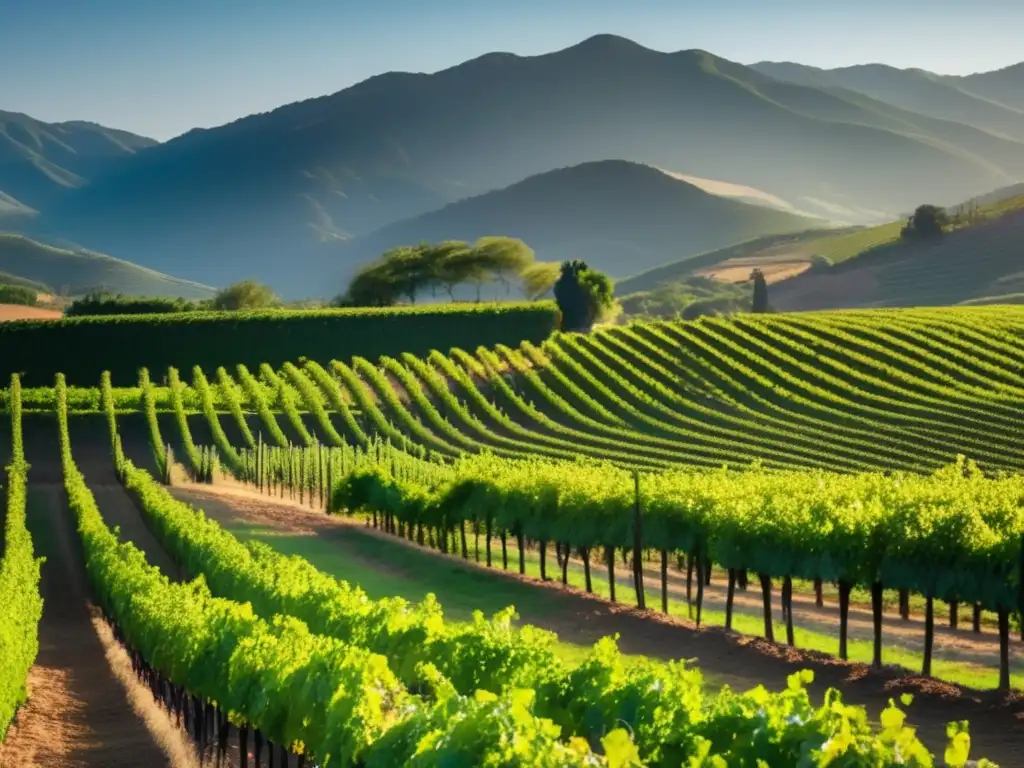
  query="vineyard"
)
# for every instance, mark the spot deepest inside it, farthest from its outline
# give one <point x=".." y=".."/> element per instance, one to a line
<point x="865" y="458"/>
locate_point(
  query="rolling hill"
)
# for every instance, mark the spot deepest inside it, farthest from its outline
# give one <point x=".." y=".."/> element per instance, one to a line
<point x="790" y="247"/>
<point x="73" y="273"/>
<point x="911" y="89"/>
<point x="845" y="251"/>
<point x="975" y="263"/>
<point x="620" y="217"/>
<point x="1005" y="85"/>
<point x="273" y="195"/>
<point x="38" y="161"/>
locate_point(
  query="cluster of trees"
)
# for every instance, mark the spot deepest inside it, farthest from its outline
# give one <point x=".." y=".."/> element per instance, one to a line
<point x="247" y="294"/>
<point x="409" y="272"/>
<point x="585" y="296"/>
<point x="18" y="294"/>
<point x="926" y="222"/>
<point x="688" y="298"/>
<point x="99" y="303"/>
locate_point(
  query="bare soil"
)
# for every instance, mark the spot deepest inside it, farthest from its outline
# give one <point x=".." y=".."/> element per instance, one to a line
<point x="997" y="721"/>
<point x="81" y="713"/>
<point x="19" y="312"/>
<point x="734" y="272"/>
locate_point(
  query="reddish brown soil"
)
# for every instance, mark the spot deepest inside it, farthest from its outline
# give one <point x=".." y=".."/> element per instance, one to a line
<point x="19" y="312"/>
<point x="997" y="721"/>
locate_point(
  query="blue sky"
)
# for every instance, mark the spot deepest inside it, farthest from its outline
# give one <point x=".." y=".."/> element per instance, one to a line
<point x="159" y="68"/>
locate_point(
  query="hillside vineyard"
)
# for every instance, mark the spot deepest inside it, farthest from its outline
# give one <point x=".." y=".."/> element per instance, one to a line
<point x="402" y="683"/>
<point x="873" y="451"/>
<point x="901" y="390"/>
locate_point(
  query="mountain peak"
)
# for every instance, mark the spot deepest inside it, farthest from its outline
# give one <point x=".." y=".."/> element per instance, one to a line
<point x="607" y="43"/>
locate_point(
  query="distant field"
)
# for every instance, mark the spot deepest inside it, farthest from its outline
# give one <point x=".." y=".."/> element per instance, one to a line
<point x="980" y="263"/>
<point x="786" y="257"/>
<point x="738" y="270"/>
<point x="19" y="312"/>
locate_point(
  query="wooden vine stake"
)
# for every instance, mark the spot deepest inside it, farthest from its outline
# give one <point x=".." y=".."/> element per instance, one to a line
<point x="844" y="617"/>
<point x="700" y="587"/>
<point x="929" y="635"/>
<point x="689" y="584"/>
<point x="664" y="581"/>
<point x="487" y="540"/>
<point x="638" y="551"/>
<point x="610" y="556"/>
<point x="766" y="598"/>
<point x="1004" y="649"/>
<point x="787" y="606"/>
<point x="876" y="615"/>
<point x="729" y="595"/>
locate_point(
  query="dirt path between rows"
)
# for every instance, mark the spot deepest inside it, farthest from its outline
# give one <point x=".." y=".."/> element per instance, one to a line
<point x="997" y="722"/>
<point x="85" y="708"/>
<point x="954" y="645"/>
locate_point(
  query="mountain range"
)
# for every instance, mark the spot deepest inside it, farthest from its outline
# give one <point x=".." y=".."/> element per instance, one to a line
<point x="298" y="196"/>
<point x="71" y="272"/>
<point x="39" y="161"/>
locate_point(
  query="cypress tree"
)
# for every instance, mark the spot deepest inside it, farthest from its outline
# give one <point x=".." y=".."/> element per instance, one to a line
<point x="760" y="302"/>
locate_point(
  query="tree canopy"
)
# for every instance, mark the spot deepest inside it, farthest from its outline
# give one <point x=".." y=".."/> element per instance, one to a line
<point x="538" y="278"/>
<point x="584" y="295"/>
<point x="247" y="294"/>
<point x="408" y="271"/>
<point x="928" y="221"/>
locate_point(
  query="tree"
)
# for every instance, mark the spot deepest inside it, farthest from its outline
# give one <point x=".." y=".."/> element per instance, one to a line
<point x="504" y="257"/>
<point x="928" y="221"/>
<point x="448" y="264"/>
<point x="538" y="278"/>
<point x="407" y="269"/>
<point x="245" y="295"/>
<point x="469" y="268"/>
<point x="760" y="302"/>
<point x="584" y="296"/>
<point x="372" y="286"/>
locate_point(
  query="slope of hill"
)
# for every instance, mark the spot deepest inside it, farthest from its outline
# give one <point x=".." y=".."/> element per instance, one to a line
<point x="792" y="247"/>
<point x="77" y="272"/>
<point x="400" y="145"/>
<point x="789" y="256"/>
<point x="618" y="216"/>
<point x="40" y="160"/>
<point x="1005" y="85"/>
<point x="911" y="89"/>
<point x="1003" y="195"/>
<point x="975" y="262"/>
